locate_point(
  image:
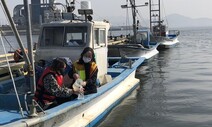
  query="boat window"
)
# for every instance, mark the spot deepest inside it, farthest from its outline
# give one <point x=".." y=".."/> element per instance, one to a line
<point x="99" y="37"/>
<point x="75" y="36"/>
<point x="142" y="37"/>
<point x="102" y="37"/>
<point x="52" y="36"/>
<point x="96" y="37"/>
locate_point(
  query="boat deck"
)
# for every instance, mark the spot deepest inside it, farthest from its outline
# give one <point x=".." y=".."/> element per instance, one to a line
<point x="14" y="115"/>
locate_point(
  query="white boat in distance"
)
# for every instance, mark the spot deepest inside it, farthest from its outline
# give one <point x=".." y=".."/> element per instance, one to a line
<point x="166" y="38"/>
<point x="144" y="46"/>
<point x="141" y="44"/>
<point x="67" y="38"/>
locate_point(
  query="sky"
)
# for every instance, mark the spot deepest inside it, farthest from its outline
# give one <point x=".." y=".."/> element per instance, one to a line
<point x="111" y="10"/>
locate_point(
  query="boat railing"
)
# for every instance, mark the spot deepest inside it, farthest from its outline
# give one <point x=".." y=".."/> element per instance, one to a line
<point x="174" y="32"/>
<point x="16" y="67"/>
<point x="3" y="58"/>
<point x="114" y="40"/>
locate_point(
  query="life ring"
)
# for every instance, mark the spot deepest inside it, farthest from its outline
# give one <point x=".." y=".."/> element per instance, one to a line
<point x="18" y="55"/>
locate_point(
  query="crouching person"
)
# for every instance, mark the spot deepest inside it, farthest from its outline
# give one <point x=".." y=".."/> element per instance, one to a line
<point x="86" y="69"/>
<point x="50" y="91"/>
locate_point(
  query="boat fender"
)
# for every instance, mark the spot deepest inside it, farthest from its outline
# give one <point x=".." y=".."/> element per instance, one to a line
<point x="18" y="55"/>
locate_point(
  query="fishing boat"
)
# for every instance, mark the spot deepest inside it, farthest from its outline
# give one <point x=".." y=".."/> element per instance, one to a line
<point x="143" y="47"/>
<point x="67" y="38"/>
<point x="167" y="38"/>
<point x="141" y="44"/>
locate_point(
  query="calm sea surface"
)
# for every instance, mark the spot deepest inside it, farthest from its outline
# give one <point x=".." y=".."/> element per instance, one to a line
<point x="175" y="88"/>
<point x="11" y="44"/>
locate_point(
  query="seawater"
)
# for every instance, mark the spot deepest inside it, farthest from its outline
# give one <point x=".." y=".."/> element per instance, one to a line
<point x="11" y="44"/>
<point x="175" y="88"/>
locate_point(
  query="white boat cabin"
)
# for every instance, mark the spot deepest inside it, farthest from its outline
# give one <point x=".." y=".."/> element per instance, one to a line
<point x="145" y="38"/>
<point x="69" y="38"/>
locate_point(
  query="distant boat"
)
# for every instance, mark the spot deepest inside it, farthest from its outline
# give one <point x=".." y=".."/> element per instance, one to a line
<point x="68" y="38"/>
<point x="166" y="38"/>
<point x="144" y="47"/>
<point x="140" y="44"/>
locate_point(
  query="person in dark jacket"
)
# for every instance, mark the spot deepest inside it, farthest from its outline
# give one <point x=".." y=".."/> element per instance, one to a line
<point x="50" y="90"/>
<point x="86" y="69"/>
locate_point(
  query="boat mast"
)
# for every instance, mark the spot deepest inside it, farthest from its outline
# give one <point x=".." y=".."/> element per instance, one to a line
<point x="150" y="15"/>
<point x="159" y="17"/>
<point x="155" y="15"/>
<point x="133" y="7"/>
<point x="132" y="2"/>
<point x="31" y="67"/>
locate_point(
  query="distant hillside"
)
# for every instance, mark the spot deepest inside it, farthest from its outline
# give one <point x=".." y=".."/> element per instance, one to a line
<point x="176" y="20"/>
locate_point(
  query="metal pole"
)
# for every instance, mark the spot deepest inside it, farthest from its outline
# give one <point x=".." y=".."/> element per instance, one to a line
<point x="134" y="19"/>
<point x="16" y="93"/>
<point x="31" y="68"/>
<point x="150" y="15"/>
<point x="159" y="16"/>
<point x="26" y="58"/>
<point x="134" y="23"/>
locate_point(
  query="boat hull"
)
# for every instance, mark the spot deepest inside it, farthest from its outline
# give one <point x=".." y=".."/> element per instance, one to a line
<point x="93" y="112"/>
<point x="167" y="42"/>
<point x="131" y="51"/>
<point x="87" y="112"/>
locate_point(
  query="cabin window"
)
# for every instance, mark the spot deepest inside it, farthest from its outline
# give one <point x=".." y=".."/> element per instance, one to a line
<point x="64" y="36"/>
<point x="75" y="36"/>
<point x="99" y="37"/>
<point x="102" y="37"/>
<point x="96" y="37"/>
<point x="142" y="37"/>
<point x="52" y="36"/>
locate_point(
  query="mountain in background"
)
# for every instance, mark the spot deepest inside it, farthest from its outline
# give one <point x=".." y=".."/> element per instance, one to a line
<point x="176" y="20"/>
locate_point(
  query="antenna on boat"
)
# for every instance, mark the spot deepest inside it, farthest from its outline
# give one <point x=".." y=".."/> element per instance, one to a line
<point x="133" y="7"/>
<point x="86" y="10"/>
